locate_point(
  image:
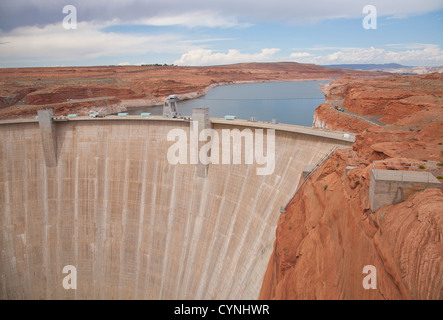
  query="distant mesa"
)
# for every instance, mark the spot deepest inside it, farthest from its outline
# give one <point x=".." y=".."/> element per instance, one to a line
<point x="388" y="67"/>
<point x="366" y="66"/>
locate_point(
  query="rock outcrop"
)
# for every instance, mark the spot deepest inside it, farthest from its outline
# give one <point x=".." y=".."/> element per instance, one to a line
<point x="389" y="99"/>
<point x="326" y="117"/>
<point x="328" y="232"/>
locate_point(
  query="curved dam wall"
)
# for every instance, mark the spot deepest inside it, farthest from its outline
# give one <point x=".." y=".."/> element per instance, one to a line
<point x="133" y="225"/>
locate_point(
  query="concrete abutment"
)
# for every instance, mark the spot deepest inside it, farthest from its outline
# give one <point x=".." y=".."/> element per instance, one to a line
<point x="389" y="187"/>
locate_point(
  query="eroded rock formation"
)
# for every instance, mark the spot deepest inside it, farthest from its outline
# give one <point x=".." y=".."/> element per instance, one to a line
<point x="328" y="233"/>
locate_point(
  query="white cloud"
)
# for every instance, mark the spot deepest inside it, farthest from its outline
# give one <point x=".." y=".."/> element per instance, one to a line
<point x="327" y="48"/>
<point x="207" y="40"/>
<point x="53" y="45"/>
<point x="201" y="57"/>
<point x="219" y="13"/>
<point x="88" y="41"/>
<point x="49" y="43"/>
<point x="418" y="55"/>
<point x="297" y="55"/>
<point x="207" y="18"/>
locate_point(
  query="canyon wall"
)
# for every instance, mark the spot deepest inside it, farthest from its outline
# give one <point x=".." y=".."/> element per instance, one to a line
<point x="328" y="233"/>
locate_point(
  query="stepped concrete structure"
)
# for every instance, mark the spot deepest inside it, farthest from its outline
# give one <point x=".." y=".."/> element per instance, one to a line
<point x="133" y="225"/>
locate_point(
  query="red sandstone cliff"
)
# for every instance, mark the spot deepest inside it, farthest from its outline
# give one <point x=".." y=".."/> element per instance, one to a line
<point x="387" y="100"/>
<point x="328" y="233"/>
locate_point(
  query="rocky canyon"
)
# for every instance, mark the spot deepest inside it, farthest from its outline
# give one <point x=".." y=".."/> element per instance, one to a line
<point x="329" y="233"/>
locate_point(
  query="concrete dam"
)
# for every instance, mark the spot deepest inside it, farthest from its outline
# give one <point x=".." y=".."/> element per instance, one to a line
<point x="104" y="199"/>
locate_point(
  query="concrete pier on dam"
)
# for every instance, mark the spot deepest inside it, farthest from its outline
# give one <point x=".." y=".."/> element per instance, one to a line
<point x="100" y="195"/>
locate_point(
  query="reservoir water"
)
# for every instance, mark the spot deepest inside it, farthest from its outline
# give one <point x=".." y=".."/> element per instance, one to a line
<point x="291" y="102"/>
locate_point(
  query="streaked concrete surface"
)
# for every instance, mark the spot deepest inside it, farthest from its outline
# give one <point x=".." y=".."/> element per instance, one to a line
<point x="134" y="226"/>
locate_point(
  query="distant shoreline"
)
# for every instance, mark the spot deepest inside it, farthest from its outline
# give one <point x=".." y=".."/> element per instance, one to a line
<point x="158" y="102"/>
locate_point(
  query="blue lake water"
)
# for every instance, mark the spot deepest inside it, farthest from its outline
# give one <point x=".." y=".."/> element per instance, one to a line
<point x="288" y="102"/>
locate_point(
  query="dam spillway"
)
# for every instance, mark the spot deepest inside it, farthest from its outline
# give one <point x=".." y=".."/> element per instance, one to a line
<point x="134" y="225"/>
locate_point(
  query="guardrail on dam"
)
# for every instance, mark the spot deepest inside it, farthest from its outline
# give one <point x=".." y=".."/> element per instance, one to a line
<point x="133" y="225"/>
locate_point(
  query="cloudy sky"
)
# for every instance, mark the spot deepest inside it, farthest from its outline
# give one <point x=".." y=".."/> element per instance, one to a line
<point x="211" y="32"/>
